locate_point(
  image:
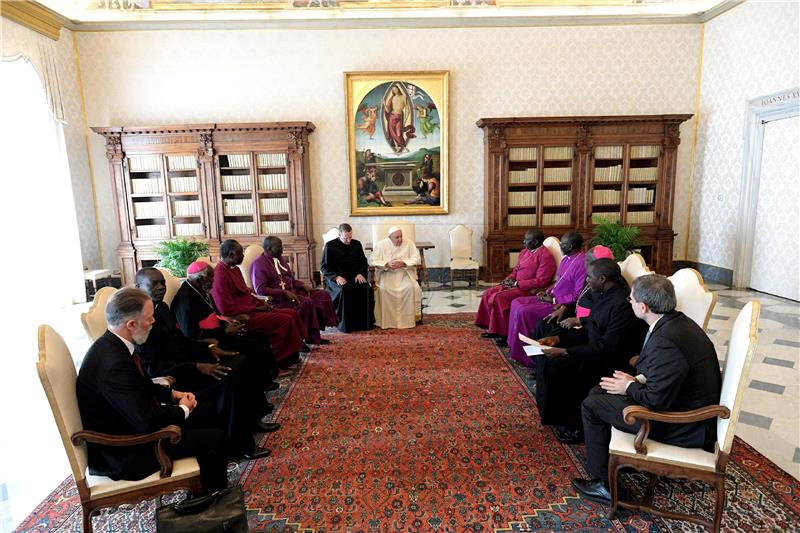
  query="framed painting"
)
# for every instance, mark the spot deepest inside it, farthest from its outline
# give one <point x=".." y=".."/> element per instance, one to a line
<point x="397" y="137"/>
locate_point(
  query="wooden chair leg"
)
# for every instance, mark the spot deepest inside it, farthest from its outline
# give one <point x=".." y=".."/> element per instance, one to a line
<point x="719" y="485"/>
<point x="647" y="498"/>
<point x="612" y="486"/>
<point x="452" y="279"/>
<point x="87" y="519"/>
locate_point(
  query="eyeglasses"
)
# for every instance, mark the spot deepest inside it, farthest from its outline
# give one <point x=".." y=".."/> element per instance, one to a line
<point x="630" y="300"/>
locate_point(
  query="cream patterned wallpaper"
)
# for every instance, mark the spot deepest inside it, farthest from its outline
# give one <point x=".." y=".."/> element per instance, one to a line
<point x="135" y="78"/>
<point x="750" y="51"/>
<point x="19" y="38"/>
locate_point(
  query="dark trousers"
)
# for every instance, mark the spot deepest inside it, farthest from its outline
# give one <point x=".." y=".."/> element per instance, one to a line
<point x="209" y="444"/>
<point x="600" y="411"/>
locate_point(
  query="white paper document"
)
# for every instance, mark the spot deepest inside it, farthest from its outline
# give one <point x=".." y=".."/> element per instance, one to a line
<point x="528" y="340"/>
<point x="531" y="350"/>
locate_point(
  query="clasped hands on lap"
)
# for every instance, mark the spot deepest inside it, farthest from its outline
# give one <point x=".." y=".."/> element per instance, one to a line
<point x="359" y="279"/>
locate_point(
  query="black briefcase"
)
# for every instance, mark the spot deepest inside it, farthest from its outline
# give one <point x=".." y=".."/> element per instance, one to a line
<point x="219" y="512"/>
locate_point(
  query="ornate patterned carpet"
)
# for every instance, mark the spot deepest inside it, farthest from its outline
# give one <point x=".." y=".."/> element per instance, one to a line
<point x="433" y="429"/>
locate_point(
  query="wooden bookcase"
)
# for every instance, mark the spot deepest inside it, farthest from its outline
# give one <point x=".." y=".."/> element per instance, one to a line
<point x="211" y="182"/>
<point x="563" y="173"/>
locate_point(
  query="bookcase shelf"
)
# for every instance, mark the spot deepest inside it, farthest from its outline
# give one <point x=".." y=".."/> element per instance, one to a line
<point x="207" y="182"/>
<point x="609" y="167"/>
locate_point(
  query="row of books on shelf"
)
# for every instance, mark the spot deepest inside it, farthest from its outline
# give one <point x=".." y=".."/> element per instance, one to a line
<point x="521" y="220"/>
<point x="239" y="228"/>
<point x="145" y="163"/>
<point x="271" y="160"/>
<point x="522" y="176"/>
<point x="513" y="257"/>
<point x="522" y="199"/>
<point x="645" y="152"/>
<point x="236" y="207"/>
<point x="608" y="174"/>
<point x="523" y="153"/>
<point x="641" y="195"/>
<point x="603" y="197"/>
<point x="188" y="230"/>
<point x="608" y="152"/>
<point x="556" y="219"/>
<point x="275" y="226"/>
<point x="270" y="206"/>
<point x="148" y="209"/>
<point x="146" y="186"/>
<point x="181" y="162"/>
<point x="237" y="182"/>
<point x="558" y="152"/>
<point x="643" y="174"/>
<point x="238" y="160"/>
<point x="270" y="182"/>
<point x="151" y="231"/>
<point x="557" y="174"/>
<point x="551" y="198"/>
<point x="640" y="217"/>
<point x="186" y="208"/>
<point x="183" y="184"/>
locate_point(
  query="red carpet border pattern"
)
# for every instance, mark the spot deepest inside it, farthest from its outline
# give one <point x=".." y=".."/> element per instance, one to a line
<point x="433" y="429"/>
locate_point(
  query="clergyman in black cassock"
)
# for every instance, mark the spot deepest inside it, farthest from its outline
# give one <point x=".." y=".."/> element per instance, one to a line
<point x="345" y="270"/>
<point x="607" y="340"/>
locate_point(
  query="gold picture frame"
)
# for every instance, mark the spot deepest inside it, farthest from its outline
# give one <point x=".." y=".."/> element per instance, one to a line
<point x="397" y="142"/>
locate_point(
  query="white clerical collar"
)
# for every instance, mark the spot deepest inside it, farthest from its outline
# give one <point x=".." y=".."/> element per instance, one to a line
<point x="128" y="344"/>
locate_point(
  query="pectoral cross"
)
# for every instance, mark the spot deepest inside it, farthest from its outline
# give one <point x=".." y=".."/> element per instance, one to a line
<point x="283" y="285"/>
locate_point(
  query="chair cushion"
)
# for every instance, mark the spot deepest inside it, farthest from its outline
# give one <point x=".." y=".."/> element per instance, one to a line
<point x="622" y="444"/>
<point x="464" y="264"/>
<point x="104" y="486"/>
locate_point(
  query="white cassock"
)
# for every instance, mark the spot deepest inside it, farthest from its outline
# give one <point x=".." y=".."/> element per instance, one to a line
<point x="398" y="300"/>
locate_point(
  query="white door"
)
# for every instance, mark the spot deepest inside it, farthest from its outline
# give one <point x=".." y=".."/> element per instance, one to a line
<point x="776" y="246"/>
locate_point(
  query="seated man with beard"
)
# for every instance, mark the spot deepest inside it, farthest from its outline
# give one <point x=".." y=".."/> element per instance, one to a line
<point x="116" y="397"/>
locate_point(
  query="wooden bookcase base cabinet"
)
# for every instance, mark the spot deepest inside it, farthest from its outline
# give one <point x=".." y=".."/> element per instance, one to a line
<point x="211" y="182"/>
<point x="563" y="173"/>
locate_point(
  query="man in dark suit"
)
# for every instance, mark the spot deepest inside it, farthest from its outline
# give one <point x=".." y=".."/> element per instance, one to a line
<point x="230" y="386"/>
<point x="116" y="397"/>
<point x="579" y="357"/>
<point x="677" y="370"/>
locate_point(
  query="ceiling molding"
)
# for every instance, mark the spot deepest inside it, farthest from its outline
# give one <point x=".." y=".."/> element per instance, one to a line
<point x="33" y="16"/>
<point x="719" y="9"/>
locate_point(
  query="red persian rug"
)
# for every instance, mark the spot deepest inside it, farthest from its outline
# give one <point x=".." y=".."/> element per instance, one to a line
<point x="433" y="429"/>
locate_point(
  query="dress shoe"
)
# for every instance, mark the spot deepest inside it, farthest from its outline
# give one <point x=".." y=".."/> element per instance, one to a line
<point x="267" y="427"/>
<point x="490" y="335"/>
<point x="268" y="408"/>
<point x="324" y="341"/>
<point x="593" y="489"/>
<point x="255" y="453"/>
<point x="570" y="436"/>
<point x="272" y="386"/>
<point x="501" y="342"/>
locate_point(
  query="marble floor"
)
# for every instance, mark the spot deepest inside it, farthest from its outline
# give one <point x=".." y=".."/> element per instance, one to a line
<point x="769" y="419"/>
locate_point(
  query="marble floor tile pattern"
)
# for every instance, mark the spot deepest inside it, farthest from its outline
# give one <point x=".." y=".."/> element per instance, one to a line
<point x="770" y="417"/>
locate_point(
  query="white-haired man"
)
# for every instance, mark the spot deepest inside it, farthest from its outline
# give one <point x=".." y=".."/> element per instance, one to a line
<point x="399" y="296"/>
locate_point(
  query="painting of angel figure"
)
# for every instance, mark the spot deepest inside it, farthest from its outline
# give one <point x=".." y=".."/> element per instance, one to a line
<point x="397" y="142"/>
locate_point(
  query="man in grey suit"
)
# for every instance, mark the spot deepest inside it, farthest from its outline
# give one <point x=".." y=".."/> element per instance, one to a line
<point x="677" y="370"/>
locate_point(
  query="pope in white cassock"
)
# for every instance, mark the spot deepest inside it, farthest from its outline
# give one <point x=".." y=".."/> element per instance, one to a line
<point x="398" y="300"/>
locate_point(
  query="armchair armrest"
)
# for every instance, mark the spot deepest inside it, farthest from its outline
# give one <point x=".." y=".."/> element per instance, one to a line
<point x="171" y="432"/>
<point x="632" y="413"/>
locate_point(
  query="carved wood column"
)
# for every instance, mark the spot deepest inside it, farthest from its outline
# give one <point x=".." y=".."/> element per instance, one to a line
<point x="495" y="203"/>
<point x="206" y="182"/>
<point x="302" y="250"/>
<point x="582" y="179"/>
<point x="117" y="163"/>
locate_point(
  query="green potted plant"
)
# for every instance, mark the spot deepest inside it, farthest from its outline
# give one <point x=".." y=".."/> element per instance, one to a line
<point x="622" y="240"/>
<point x="177" y="254"/>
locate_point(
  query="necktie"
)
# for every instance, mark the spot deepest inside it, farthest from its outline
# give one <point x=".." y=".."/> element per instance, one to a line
<point x="138" y="362"/>
<point x="646" y="338"/>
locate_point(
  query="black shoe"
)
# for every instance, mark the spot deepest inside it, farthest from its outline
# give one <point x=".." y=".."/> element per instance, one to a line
<point x="272" y="386"/>
<point x="593" y="489"/>
<point x="571" y="436"/>
<point x="324" y="341"/>
<point x="267" y="427"/>
<point x="501" y="342"/>
<point x="255" y="453"/>
<point x="268" y="408"/>
<point x="306" y="348"/>
<point x="490" y="336"/>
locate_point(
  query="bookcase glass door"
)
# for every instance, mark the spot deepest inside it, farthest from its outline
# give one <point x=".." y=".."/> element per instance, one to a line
<point x="523" y="186"/>
<point x="147" y="197"/>
<point x="607" y="182"/>
<point x="273" y="194"/>
<point x="557" y="180"/>
<point x="237" y="195"/>
<point x="183" y="190"/>
<point x="642" y="181"/>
